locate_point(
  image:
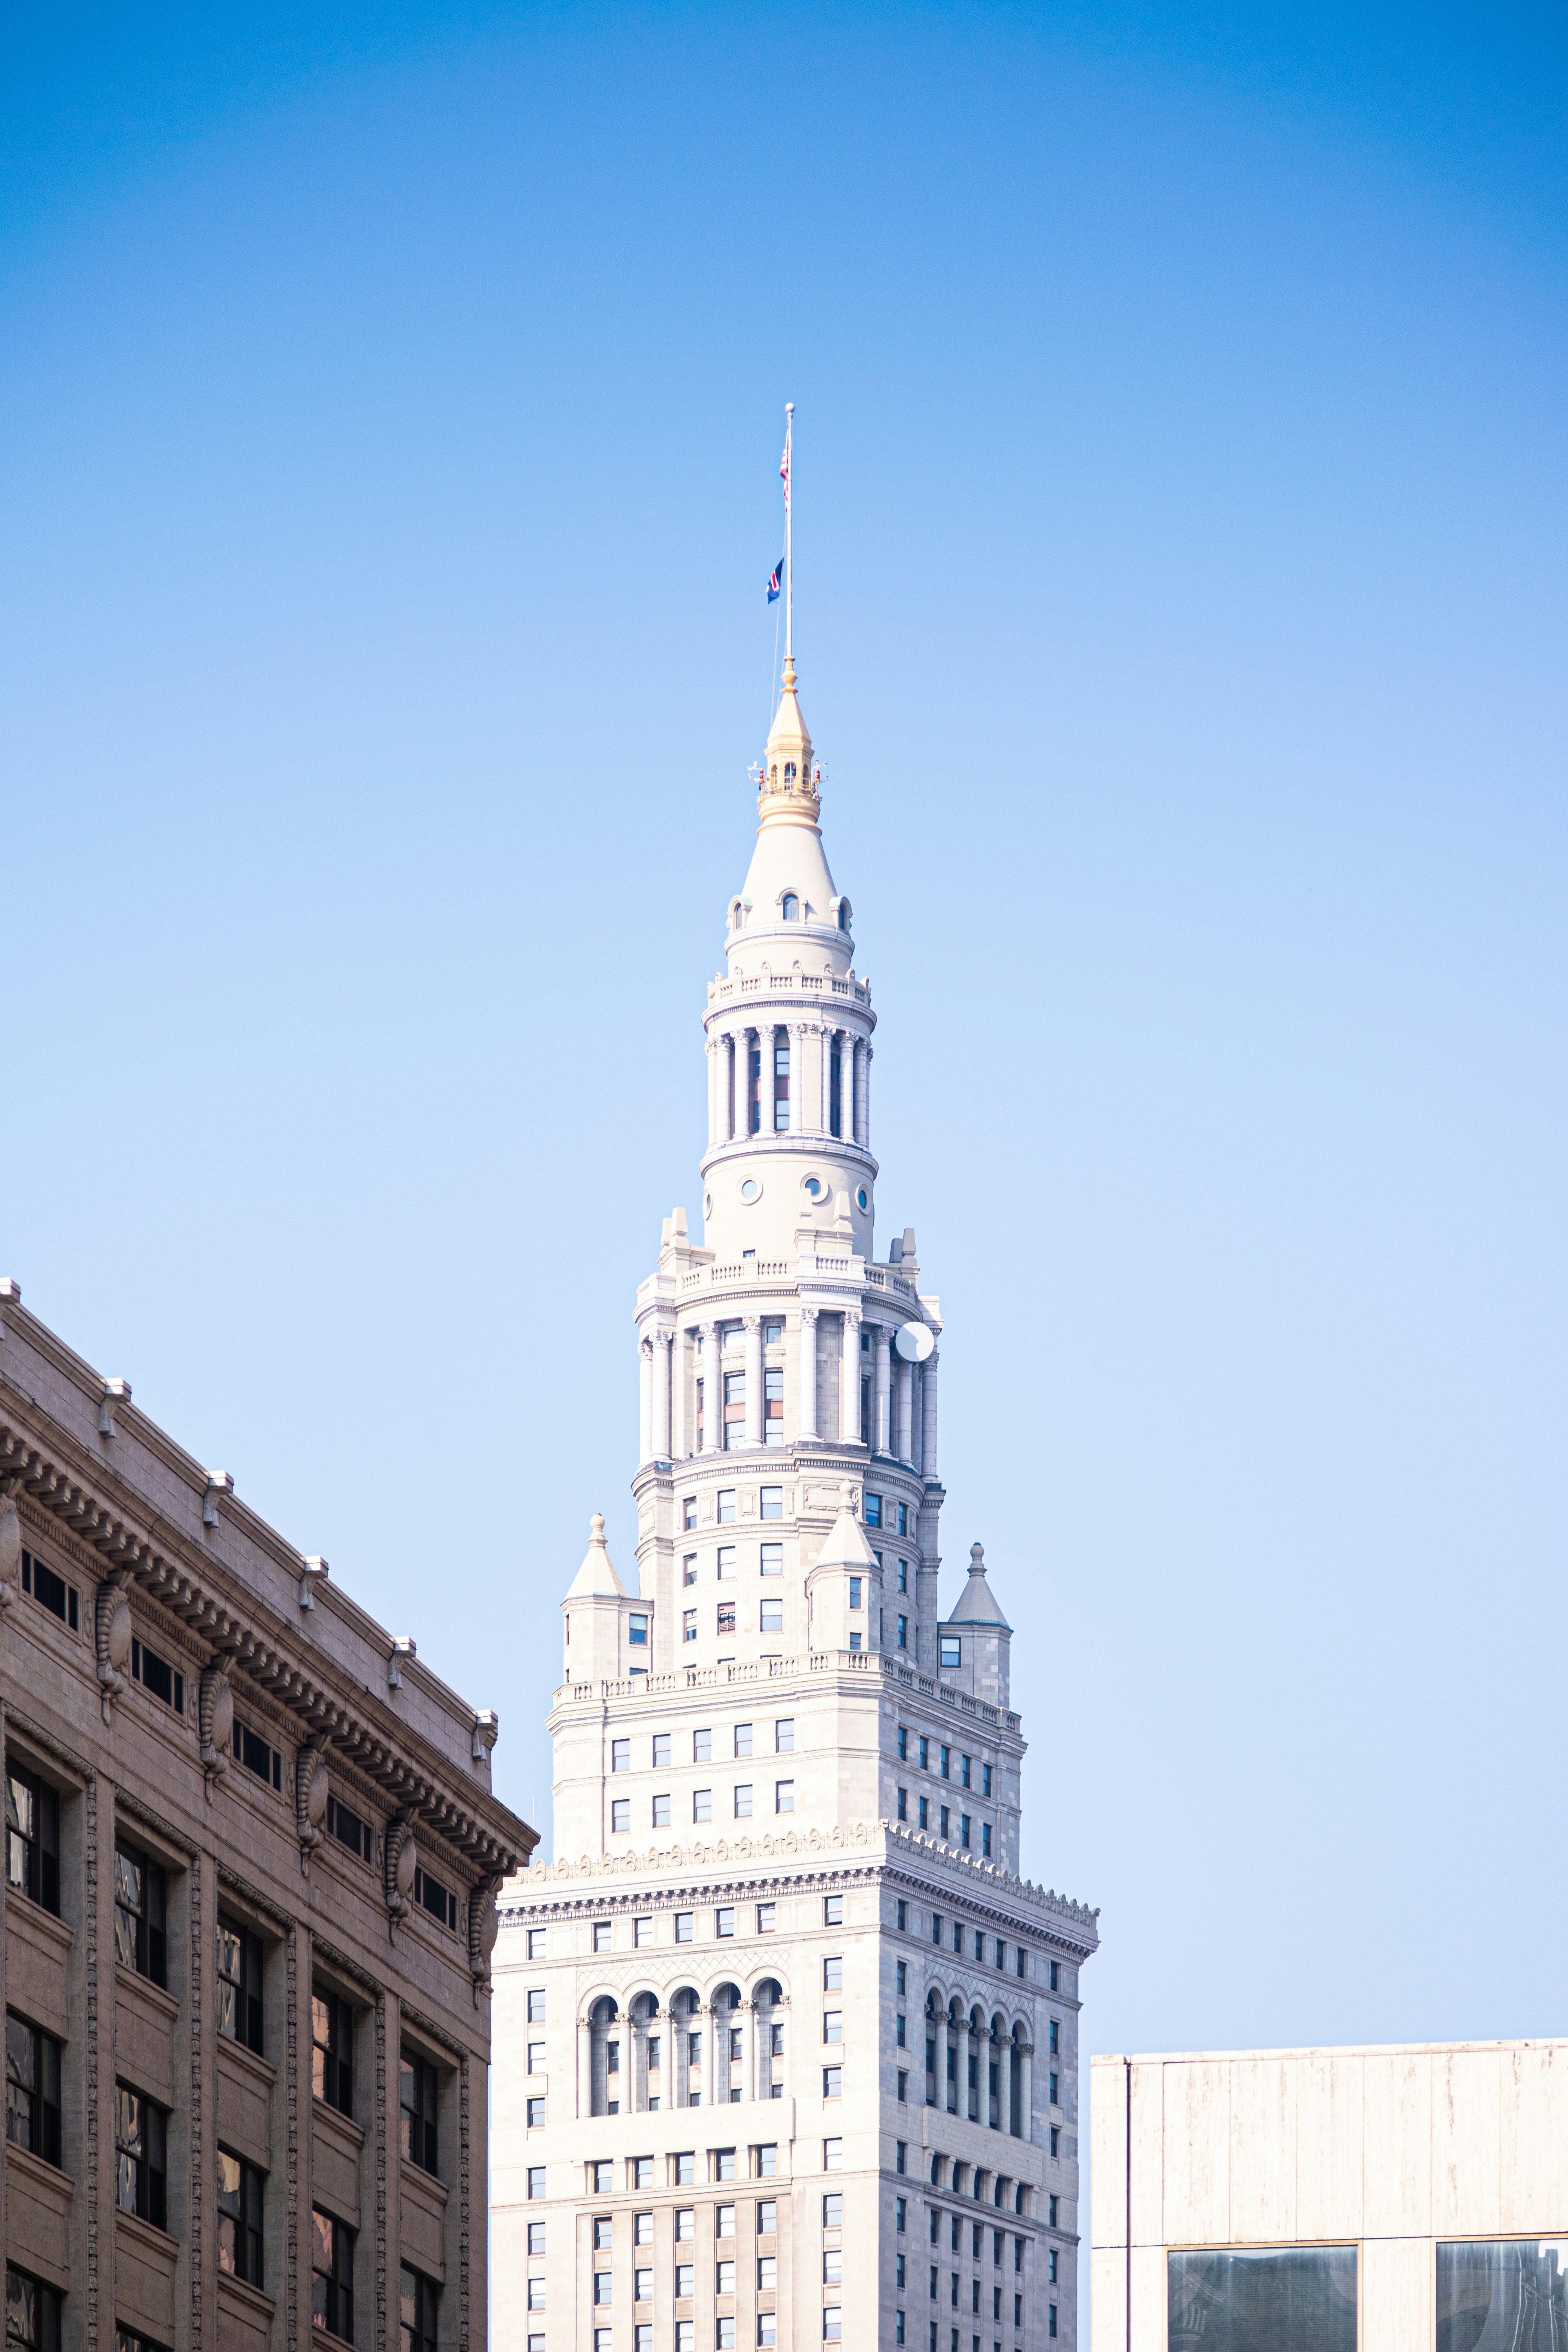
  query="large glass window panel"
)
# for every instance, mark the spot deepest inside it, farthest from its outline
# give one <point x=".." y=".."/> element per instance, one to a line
<point x="1503" y="2295"/>
<point x="1292" y="2299"/>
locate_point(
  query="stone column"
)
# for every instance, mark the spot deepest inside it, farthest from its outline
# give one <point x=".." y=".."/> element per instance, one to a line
<point x="795" y="1033"/>
<point x="710" y="2056"/>
<point x="864" y="1130"/>
<point x="928" y="1416"/>
<point x="809" y="1371"/>
<point x="905" y="1447"/>
<point x="881" y="1394"/>
<point x="712" y="1390"/>
<point x="662" y="1398"/>
<point x="679" y="1442"/>
<point x="848" y="1087"/>
<point x="584" y="2067"/>
<point x="732" y="1106"/>
<point x="753" y="1329"/>
<point x="1026" y="2092"/>
<point x="388" y="2167"/>
<point x="645" y="1400"/>
<point x="298" y="2193"/>
<point x="765" y="1091"/>
<point x="849" y="1381"/>
<point x="715" y="1055"/>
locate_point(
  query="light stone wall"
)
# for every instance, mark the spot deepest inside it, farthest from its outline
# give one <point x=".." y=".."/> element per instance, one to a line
<point x="1390" y="2149"/>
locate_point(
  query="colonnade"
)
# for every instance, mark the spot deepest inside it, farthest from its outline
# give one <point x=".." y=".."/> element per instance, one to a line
<point x="684" y="2055"/>
<point x="903" y="1405"/>
<point x="810" y="1079"/>
<point x="974" y="2045"/>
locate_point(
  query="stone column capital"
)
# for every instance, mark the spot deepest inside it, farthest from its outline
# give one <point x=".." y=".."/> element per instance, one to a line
<point x="751" y="1322"/>
<point x="645" y="1346"/>
<point x="852" y="1317"/>
<point x="808" y="1315"/>
<point x="705" y="1330"/>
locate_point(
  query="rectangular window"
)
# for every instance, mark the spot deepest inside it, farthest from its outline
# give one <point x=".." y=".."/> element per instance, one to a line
<point x="689" y="1624"/>
<point x="903" y="1576"/>
<point x="332" y="2276"/>
<point x="726" y="1560"/>
<point x="904" y="1743"/>
<point x="1021" y="1960"/>
<point x="620" y="1816"/>
<point x="832" y="2209"/>
<point x="726" y="1617"/>
<point x="417" y="2087"/>
<point x="944" y="1762"/>
<point x="771" y="1559"/>
<point x="944" y="1820"/>
<point x="620" y="1755"/>
<point x="437" y="1900"/>
<point x="1295" y="2299"/>
<point x="985" y="1780"/>
<point x="141" y="1903"/>
<point x="903" y="1519"/>
<point x="985" y="1841"/>
<point x="767" y="1915"/>
<point x="702" y="1747"/>
<point x="903" y="1796"/>
<point x="688" y="1569"/>
<point x="964" y="1768"/>
<point x="604" y="1936"/>
<point x="925" y="1755"/>
<point x="32" y="2089"/>
<point x="240" y="2191"/>
<point x="783" y="1736"/>
<point x="724" y="1919"/>
<point x="1493" y="2293"/>
<point x="661" y="1812"/>
<point x="936" y="1926"/>
<point x="854" y="1584"/>
<point x="1055" y="1975"/>
<point x="642" y="1933"/>
<point x="832" y="1910"/>
<point x="873" y="1510"/>
<point x="952" y="1651"/>
<point x="1051" y="2205"/>
<point x="253" y="1753"/>
<point x="419" y="2303"/>
<point x="32" y="1837"/>
<point x="743" y="1801"/>
<point x="688" y="1512"/>
<point x="141" y="2155"/>
<point x="833" y="2025"/>
<point x="683" y="1925"/>
<point x="638" y="1634"/>
<point x="727" y="1505"/>
<point x="331" y="2051"/>
<point x="922" y="1811"/>
<point x="238" y="1984"/>
<point x="903" y="1632"/>
<point x="833" y="1972"/>
<point x="157" y="1675"/>
<point x="784" y="1796"/>
<point x="903" y="1922"/>
<point x="536" y="2181"/>
<point x="536" y="1994"/>
<point x="350" y="1831"/>
<point x="702" y="1804"/>
<point x="771" y="1619"/>
<point x="963" y="1828"/>
<point x="33" y="2315"/>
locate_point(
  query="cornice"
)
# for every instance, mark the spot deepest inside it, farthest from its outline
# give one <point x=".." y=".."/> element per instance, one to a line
<point x="107" y="1517"/>
<point x="852" y="1666"/>
<point x="802" y="1856"/>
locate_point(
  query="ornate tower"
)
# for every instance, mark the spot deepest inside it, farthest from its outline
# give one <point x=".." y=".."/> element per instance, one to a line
<point x="783" y="1994"/>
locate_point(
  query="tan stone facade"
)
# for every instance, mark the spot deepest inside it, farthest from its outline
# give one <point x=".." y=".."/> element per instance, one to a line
<point x="246" y="1914"/>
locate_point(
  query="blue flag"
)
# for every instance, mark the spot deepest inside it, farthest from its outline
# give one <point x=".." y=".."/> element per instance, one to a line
<point x="775" y="580"/>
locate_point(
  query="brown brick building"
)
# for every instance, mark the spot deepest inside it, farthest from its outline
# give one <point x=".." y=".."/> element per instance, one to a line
<point x="247" y="1913"/>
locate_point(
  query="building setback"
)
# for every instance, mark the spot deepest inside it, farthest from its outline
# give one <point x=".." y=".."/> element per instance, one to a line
<point x="247" y="1912"/>
<point x="786" y="2049"/>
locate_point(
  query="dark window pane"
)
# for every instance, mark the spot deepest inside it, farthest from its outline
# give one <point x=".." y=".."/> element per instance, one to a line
<point x="1501" y="2295"/>
<point x="1300" y="2300"/>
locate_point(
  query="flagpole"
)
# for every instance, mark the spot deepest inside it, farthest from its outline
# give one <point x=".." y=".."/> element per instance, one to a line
<point x="789" y="535"/>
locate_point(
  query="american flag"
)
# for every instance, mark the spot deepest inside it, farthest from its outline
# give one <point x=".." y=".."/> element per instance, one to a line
<point x="784" y="474"/>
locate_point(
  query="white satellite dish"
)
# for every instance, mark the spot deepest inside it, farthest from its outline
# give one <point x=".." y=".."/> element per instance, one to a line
<point x="914" y="1342"/>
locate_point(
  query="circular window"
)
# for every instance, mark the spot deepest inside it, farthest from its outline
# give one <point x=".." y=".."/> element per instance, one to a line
<point x="815" y="1189"/>
<point x="750" y="1189"/>
<point x="863" y="1198"/>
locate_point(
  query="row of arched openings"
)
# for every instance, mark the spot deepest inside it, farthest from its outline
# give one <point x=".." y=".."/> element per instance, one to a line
<point x="977" y="2066"/>
<point x="684" y="2055"/>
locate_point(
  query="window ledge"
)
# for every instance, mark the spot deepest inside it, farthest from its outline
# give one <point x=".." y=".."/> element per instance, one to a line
<point x="263" y="2304"/>
<point x="133" y="1979"/>
<point x="334" y="2116"/>
<point x="47" y="1923"/>
<point x="249" y="2061"/>
<point x="35" y="2167"/>
<point x="415" y="2177"/>
<point x="156" y="2241"/>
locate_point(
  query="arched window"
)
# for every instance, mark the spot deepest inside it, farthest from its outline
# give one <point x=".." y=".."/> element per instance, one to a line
<point x="844" y="914"/>
<point x="791" y="907"/>
<point x="606" y="2072"/>
<point x="789" y="775"/>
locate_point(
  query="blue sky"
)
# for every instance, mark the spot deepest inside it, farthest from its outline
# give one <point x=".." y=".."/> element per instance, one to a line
<point x="388" y="444"/>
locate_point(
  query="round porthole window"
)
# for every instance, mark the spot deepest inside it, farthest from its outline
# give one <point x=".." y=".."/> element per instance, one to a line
<point x="814" y="1188"/>
<point x="751" y="1188"/>
<point x="862" y="1198"/>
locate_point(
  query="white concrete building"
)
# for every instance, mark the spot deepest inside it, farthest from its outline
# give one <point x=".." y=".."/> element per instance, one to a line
<point x="787" y="2051"/>
<point x="1409" y="2199"/>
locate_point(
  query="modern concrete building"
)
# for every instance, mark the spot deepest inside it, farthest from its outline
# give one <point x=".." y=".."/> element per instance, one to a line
<point x="786" y="2048"/>
<point x="246" y="1918"/>
<point x="1398" y="2199"/>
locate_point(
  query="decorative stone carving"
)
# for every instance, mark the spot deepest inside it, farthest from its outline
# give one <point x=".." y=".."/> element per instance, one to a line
<point x="484" y="1926"/>
<point x="311" y="1792"/>
<point x="10" y="1542"/>
<point x="216" y="1720"/>
<point x="401" y="1861"/>
<point x="111" y="1627"/>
